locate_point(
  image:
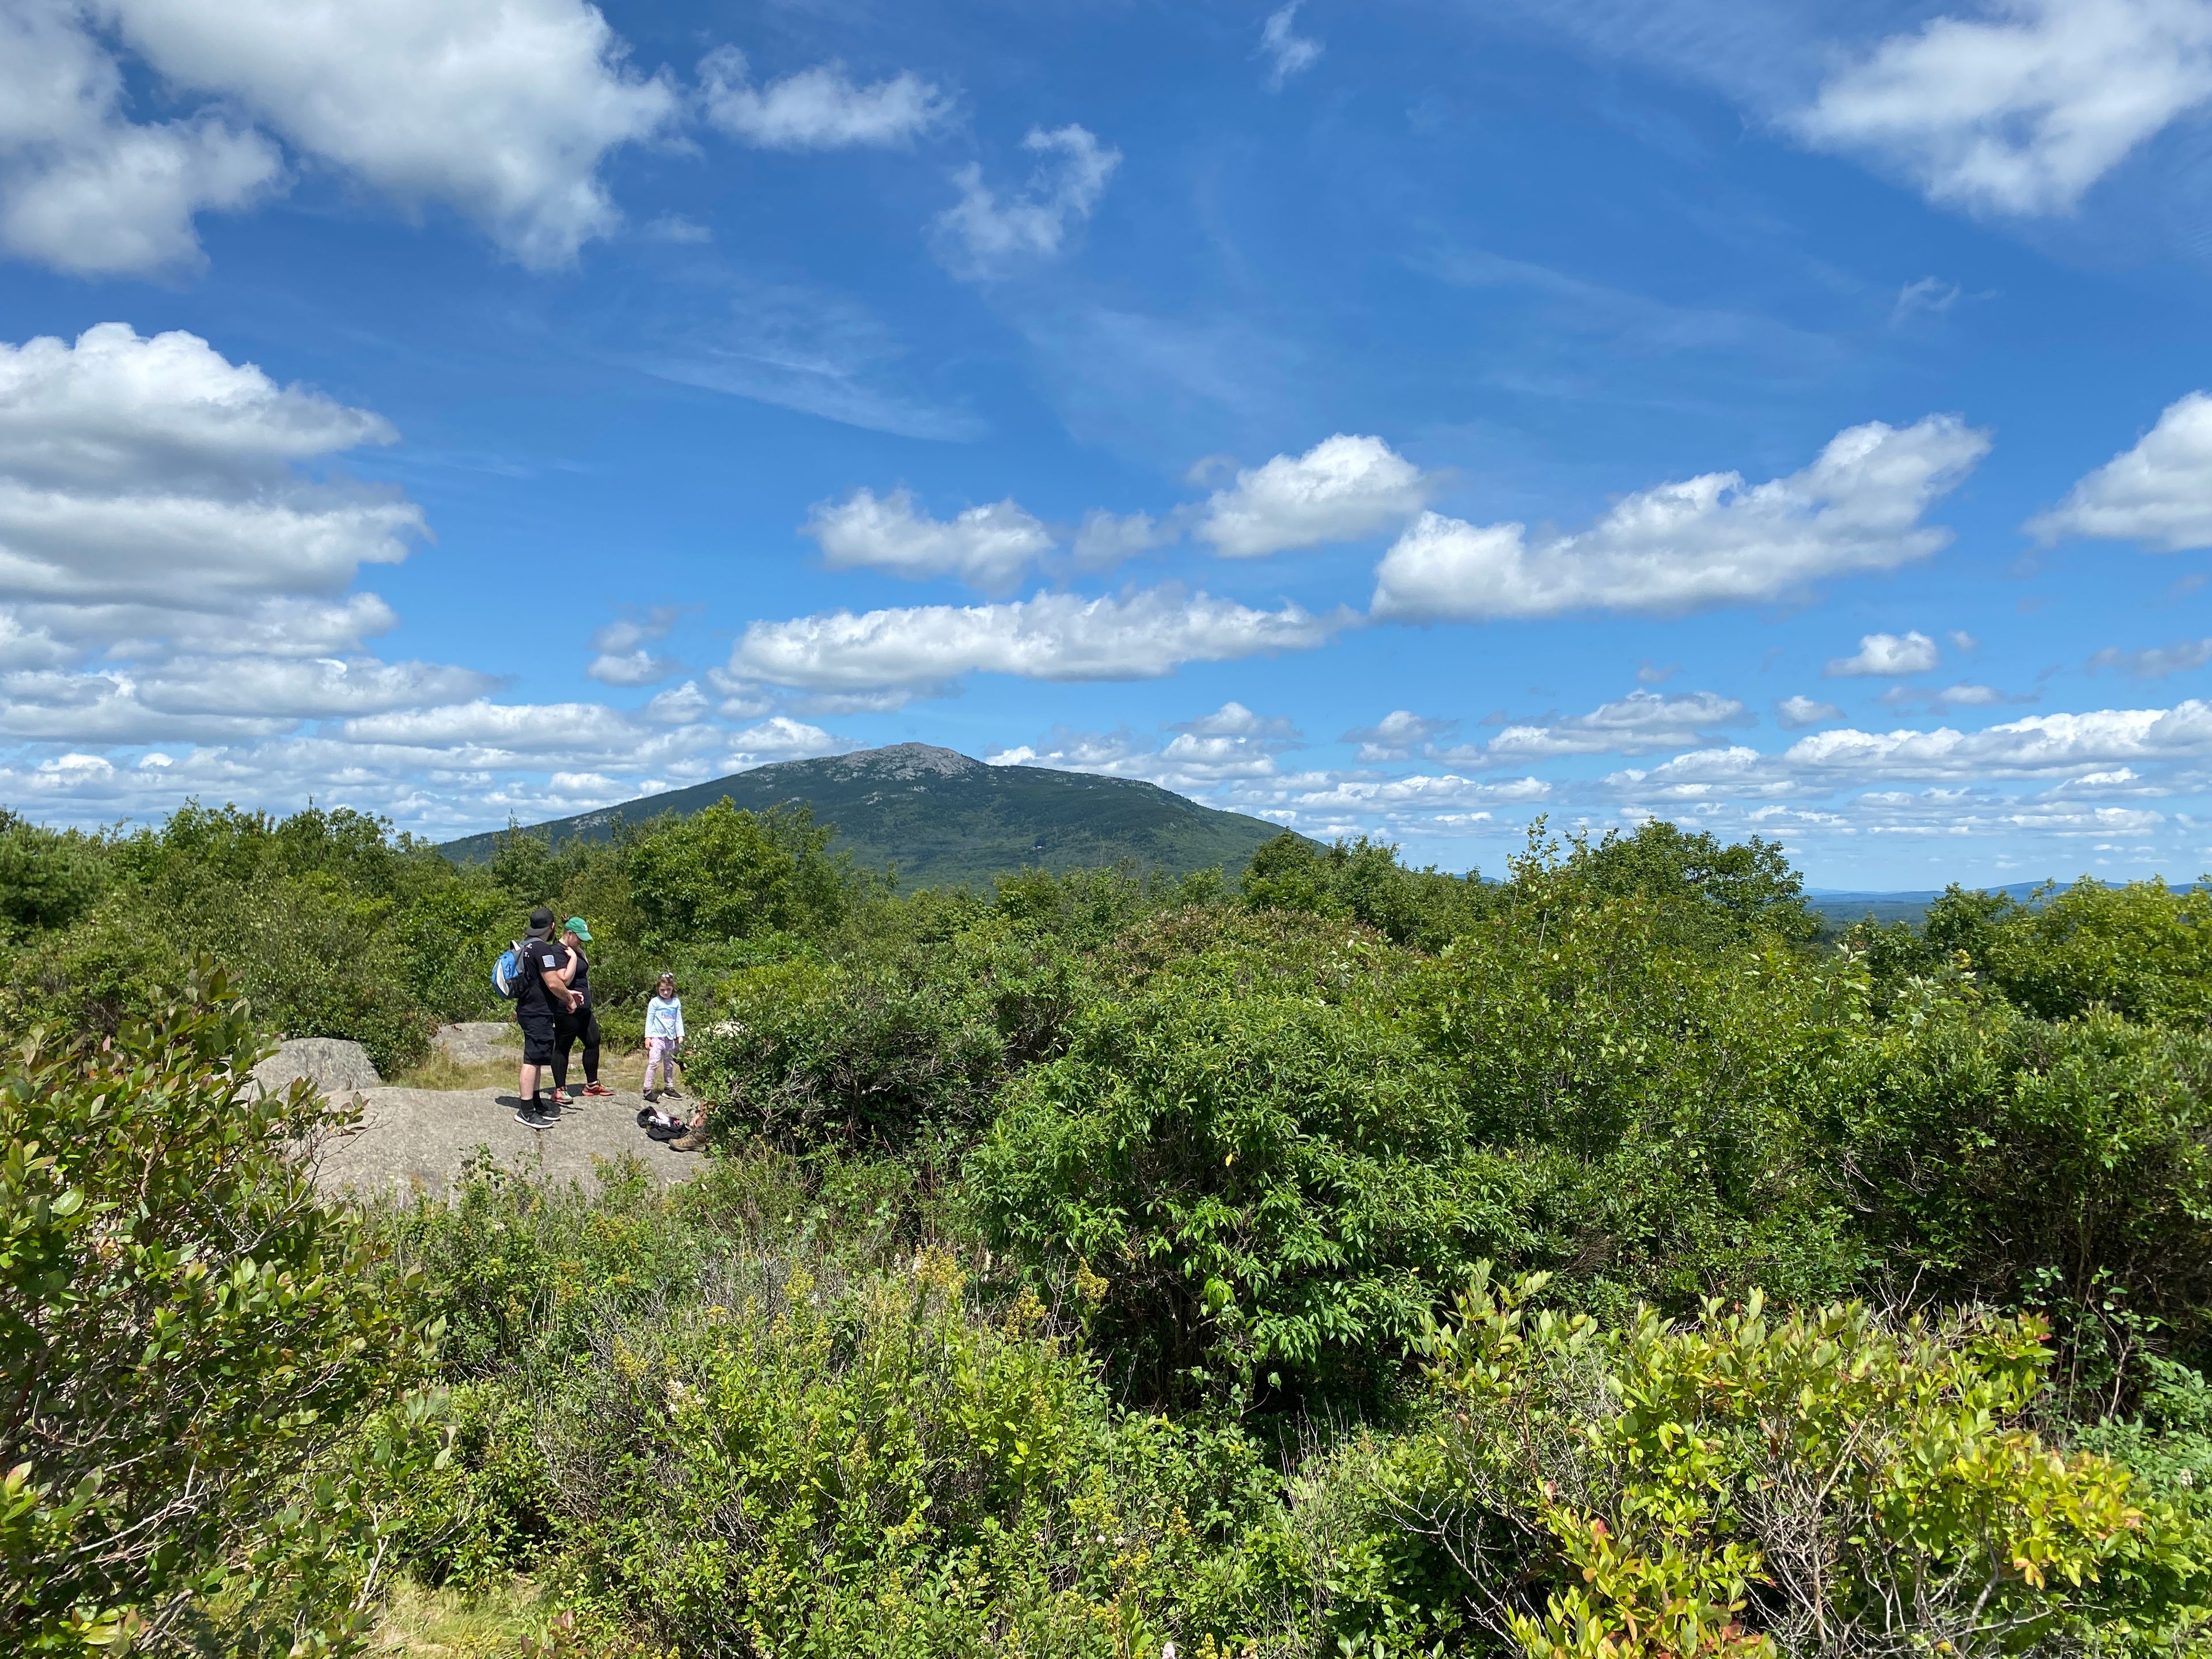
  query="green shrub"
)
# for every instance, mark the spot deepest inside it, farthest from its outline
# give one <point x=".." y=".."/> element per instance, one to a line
<point x="1746" y="1486"/>
<point x="1992" y="1156"/>
<point x="868" y="1468"/>
<point x="1256" y="1172"/>
<point x="186" y="1333"/>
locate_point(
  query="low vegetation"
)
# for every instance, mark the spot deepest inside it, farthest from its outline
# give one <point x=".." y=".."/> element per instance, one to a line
<point x="1595" y="1263"/>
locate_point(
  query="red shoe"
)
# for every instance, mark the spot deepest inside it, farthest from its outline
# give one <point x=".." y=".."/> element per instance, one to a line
<point x="560" y="1098"/>
<point x="597" y="1089"/>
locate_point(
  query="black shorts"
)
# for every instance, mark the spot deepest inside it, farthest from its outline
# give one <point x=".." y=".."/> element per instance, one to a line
<point x="537" y="1025"/>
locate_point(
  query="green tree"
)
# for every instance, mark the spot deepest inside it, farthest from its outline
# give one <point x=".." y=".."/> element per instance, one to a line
<point x="725" y="874"/>
<point x="185" y="1335"/>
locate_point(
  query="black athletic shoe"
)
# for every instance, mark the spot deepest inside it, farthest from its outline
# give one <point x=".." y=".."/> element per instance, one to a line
<point x="531" y="1117"/>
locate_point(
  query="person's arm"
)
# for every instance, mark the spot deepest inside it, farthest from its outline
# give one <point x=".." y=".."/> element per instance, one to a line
<point x="679" y="1019"/>
<point x="556" y="982"/>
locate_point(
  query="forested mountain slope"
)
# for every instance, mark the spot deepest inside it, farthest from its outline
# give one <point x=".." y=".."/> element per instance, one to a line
<point x="944" y="819"/>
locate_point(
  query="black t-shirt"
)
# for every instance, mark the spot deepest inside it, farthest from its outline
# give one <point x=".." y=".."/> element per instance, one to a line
<point x="579" y="973"/>
<point x="541" y="957"/>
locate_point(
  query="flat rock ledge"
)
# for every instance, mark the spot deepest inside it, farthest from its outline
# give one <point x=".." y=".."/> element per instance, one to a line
<point x="414" y="1141"/>
<point x="333" y="1065"/>
<point x="474" y="1041"/>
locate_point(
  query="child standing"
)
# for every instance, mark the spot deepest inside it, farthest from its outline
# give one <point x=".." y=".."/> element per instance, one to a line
<point x="664" y="1035"/>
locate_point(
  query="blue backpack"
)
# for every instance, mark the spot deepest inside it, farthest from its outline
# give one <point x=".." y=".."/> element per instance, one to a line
<point x="506" y="974"/>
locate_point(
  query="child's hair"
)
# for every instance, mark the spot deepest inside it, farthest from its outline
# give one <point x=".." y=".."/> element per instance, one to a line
<point x="669" y="980"/>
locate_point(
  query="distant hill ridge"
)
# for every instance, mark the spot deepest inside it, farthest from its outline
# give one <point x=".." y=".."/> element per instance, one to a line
<point x="945" y="818"/>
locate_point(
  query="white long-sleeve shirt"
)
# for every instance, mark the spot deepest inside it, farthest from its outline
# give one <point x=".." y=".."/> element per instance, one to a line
<point x="663" y="1017"/>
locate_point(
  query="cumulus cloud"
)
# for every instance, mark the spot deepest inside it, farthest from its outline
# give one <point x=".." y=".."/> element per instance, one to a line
<point x="1232" y="744"/>
<point x="1342" y="489"/>
<point x="2158" y="493"/>
<point x="1288" y="52"/>
<point x="84" y="189"/>
<point x="2157" y="662"/>
<point x="1887" y="653"/>
<point x="1709" y="540"/>
<point x="505" y="111"/>
<point x="987" y="547"/>
<point x="819" y="108"/>
<point x="146" y="480"/>
<point x="679" y="705"/>
<point x="625" y="656"/>
<point x="1799" y="712"/>
<point x="784" y="738"/>
<point x="1397" y="735"/>
<point x="1145" y="633"/>
<point x="2023" y="111"/>
<point x="982" y="236"/>
<point x="1943" y="699"/>
<point x="1636" y="724"/>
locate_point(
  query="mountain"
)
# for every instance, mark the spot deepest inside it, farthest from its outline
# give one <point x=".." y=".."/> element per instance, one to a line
<point x="943" y="818"/>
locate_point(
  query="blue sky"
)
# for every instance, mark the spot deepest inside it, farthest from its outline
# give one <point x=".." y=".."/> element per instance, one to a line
<point x="1402" y="419"/>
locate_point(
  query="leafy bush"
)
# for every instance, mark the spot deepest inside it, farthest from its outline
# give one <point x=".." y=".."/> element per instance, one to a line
<point x="1746" y="1486"/>
<point x="1254" y="1172"/>
<point x="1992" y="1156"/>
<point x="184" y="1334"/>
<point x="2142" y="950"/>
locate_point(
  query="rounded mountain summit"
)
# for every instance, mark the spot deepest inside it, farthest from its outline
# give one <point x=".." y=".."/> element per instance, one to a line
<point x="945" y="818"/>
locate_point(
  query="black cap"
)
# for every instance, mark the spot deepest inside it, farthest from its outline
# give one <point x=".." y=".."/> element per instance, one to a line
<point x="541" y="919"/>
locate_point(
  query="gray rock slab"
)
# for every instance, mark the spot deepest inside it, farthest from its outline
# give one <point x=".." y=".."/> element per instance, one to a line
<point x="415" y="1140"/>
<point x="333" y="1065"/>
<point x="473" y="1041"/>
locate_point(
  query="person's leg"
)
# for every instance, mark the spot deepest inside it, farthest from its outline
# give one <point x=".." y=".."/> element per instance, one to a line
<point x="655" y="1049"/>
<point x="564" y="1038"/>
<point x="590" y="1047"/>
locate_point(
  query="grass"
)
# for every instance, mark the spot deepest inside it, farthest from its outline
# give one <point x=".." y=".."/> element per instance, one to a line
<point x="617" y="1071"/>
<point x="445" y="1624"/>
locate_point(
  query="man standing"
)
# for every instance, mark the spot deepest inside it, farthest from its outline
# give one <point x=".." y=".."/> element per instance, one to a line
<point x="542" y="999"/>
<point x="581" y="1023"/>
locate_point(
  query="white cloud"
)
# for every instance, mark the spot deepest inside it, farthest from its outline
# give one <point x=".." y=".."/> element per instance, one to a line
<point x="2159" y="661"/>
<point x="1943" y="699"/>
<point x="504" y="109"/>
<point x="1142" y="634"/>
<point x="143" y="483"/>
<point x="785" y="738"/>
<point x="1887" y="653"/>
<point x="2039" y="745"/>
<point x="987" y="547"/>
<point x="982" y="237"/>
<point x="624" y="657"/>
<point x="1397" y="735"/>
<point x="630" y="668"/>
<point x="2158" y="493"/>
<point x="1231" y="745"/>
<point x="1928" y="297"/>
<point x="1709" y="540"/>
<point x="1104" y="540"/>
<point x="1287" y="52"/>
<point x="1798" y="712"/>
<point x="1341" y="489"/>
<point x="1636" y="724"/>
<point x="819" y="108"/>
<point x="679" y="705"/>
<point x="2023" y="111"/>
<point x="84" y="189"/>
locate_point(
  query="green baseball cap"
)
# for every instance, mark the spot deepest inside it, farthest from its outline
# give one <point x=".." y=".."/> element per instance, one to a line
<point x="576" y="927"/>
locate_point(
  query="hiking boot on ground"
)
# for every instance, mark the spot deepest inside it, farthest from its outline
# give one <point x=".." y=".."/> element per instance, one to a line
<point x="694" y="1141"/>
